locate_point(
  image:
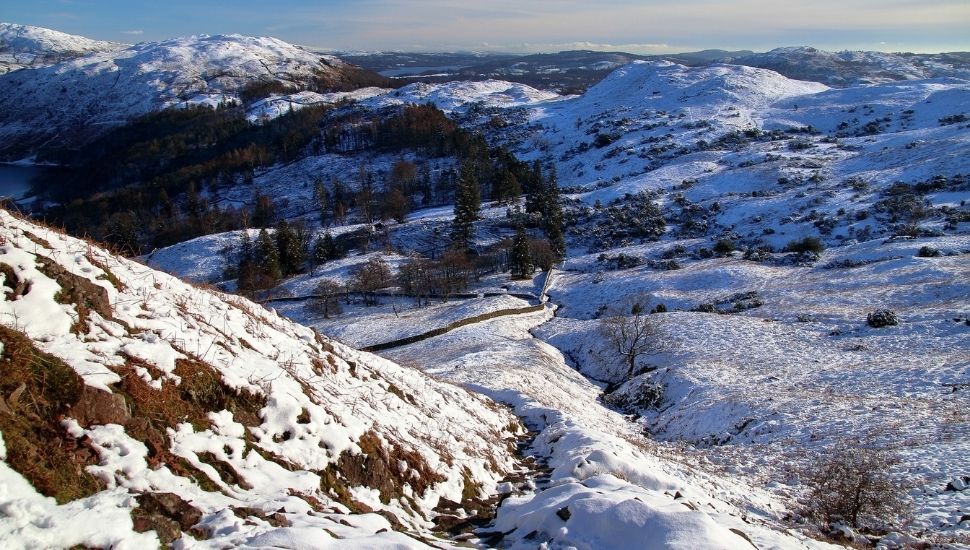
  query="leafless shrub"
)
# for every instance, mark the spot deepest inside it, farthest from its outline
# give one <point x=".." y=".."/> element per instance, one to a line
<point x="850" y="484"/>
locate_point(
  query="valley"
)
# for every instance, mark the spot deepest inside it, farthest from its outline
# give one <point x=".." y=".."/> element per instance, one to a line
<point x="397" y="314"/>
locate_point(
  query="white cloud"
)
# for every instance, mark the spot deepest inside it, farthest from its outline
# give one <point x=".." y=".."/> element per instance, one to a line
<point x="134" y="32"/>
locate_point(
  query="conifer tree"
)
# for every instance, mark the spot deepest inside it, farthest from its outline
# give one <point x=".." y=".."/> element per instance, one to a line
<point x="520" y="261"/>
<point x="267" y="257"/>
<point x="534" y="190"/>
<point x="506" y="187"/>
<point x="333" y="252"/>
<point x="468" y="202"/>
<point x="552" y="221"/>
<point x="324" y="206"/>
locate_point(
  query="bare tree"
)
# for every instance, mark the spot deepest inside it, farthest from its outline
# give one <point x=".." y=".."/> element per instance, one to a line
<point x="630" y="331"/>
<point x="370" y="277"/>
<point x="325" y="300"/>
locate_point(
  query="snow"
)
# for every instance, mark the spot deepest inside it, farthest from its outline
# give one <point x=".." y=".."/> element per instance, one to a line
<point x="457" y="96"/>
<point x="160" y="320"/>
<point x="110" y="87"/>
<point x="27" y="46"/>
<point x="751" y="397"/>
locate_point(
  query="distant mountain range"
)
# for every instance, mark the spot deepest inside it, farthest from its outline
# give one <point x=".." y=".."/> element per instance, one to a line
<point x="579" y="69"/>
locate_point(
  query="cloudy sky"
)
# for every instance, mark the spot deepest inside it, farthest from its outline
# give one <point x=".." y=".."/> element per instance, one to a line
<point x="640" y="26"/>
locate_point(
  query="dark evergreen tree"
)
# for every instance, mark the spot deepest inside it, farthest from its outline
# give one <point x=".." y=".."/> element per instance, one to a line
<point x="506" y="187"/>
<point x="267" y="258"/>
<point x="520" y="260"/>
<point x="264" y="214"/>
<point x="324" y="205"/>
<point x="552" y="222"/>
<point x="534" y="190"/>
<point x="468" y="202"/>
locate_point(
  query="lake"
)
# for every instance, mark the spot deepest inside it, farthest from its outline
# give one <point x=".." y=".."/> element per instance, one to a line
<point x="15" y="180"/>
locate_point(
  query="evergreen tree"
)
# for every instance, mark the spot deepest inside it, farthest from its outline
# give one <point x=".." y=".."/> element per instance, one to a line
<point x="468" y="202"/>
<point x="323" y="203"/>
<point x="552" y="221"/>
<point x="290" y="246"/>
<point x="264" y="213"/>
<point x="267" y="258"/>
<point x="319" y="254"/>
<point x="534" y="190"/>
<point x="520" y="261"/>
<point x="506" y="187"/>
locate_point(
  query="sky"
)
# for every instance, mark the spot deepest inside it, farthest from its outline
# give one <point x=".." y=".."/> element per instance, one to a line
<point x="527" y="26"/>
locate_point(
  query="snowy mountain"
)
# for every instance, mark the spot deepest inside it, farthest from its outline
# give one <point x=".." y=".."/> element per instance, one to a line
<point x="167" y="411"/>
<point x="801" y="249"/>
<point x="456" y="96"/>
<point x="79" y="98"/>
<point x="851" y="68"/>
<point x="26" y="46"/>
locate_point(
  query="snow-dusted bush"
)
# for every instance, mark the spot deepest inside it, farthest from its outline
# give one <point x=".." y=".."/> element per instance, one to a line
<point x="882" y="318"/>
<point x="928" y="252"/>
<point x="635" y="396"/>
<point x="851" y="485"/>
<point x="807" y="244"/>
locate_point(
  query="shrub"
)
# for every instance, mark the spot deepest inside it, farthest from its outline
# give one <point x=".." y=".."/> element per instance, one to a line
<point x="882" y="318"/>
<point x="724" y="247"/>
<point x="808" y="244"/>
<point x="928" y="252"/>
<point x="851" y="484"/>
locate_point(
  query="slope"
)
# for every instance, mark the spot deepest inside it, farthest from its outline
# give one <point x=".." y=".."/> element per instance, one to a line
<point x="26" y="46"/>
<point x="160" y="403"/>
<point x="79" y="98"/>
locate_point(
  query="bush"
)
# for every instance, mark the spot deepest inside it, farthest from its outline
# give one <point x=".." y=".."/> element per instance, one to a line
<point x="808" y="244"/>
<point x="850" y="484"/>
<point x="882" y="318"/>
<point x="724" y="247"/>
<point x="928" y="252"/>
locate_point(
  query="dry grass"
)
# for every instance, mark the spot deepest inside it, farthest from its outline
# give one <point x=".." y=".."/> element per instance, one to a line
<point x="37" y="391"/>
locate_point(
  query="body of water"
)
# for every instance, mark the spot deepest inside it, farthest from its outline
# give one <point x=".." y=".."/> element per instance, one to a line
<point x="15" y="180"/>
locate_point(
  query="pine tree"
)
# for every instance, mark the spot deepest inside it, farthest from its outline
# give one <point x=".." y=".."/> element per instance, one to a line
<point x="520" y="260"/>
<point x="267" y="257"/>
<point x="534" y="190"/>
<point x="290" y="246"/>
<point x="552" y="216"/>
<point x="506" y="187"/>
<point x="468" y="202"/>
<point x="323" y="203"/>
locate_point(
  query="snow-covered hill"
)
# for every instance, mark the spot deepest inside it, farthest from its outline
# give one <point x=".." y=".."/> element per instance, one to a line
<point x="852" y="68"/>
<point x="26" y="46"/>
<point x="80" y="97"/>
<point x="169" y="411"/>
<point x="454" y="96"/>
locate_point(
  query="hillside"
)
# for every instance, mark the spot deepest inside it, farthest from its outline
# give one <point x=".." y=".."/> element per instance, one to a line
<point x="167" y="411"/>
<point x="25" y="46"/>
<point x="854" y="68"/>
<point x="81" y="98"/>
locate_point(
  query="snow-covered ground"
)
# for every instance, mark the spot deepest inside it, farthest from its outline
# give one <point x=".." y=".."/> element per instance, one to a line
<point x="753" y="394"/>
<point x="321" y="404"/>
<point x="27" y="46"/>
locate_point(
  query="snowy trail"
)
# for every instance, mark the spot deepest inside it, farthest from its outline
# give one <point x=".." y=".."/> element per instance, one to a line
<point x="600" y="481"/>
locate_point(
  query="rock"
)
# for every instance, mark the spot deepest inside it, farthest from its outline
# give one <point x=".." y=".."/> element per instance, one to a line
<point x="167" y="529"/>
<point x="564" y="513"/>
<point x="882" y="318"/>
<point x="100" y="407"/>
<point x="171" y="506"/>
<point x="958" y="484"/>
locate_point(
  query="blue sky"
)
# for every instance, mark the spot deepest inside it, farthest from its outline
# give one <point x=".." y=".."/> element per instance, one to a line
<point x="644" y="26"/>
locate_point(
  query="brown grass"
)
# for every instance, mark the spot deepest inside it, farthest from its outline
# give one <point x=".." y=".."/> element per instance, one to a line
<point x="37" y="390"/>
